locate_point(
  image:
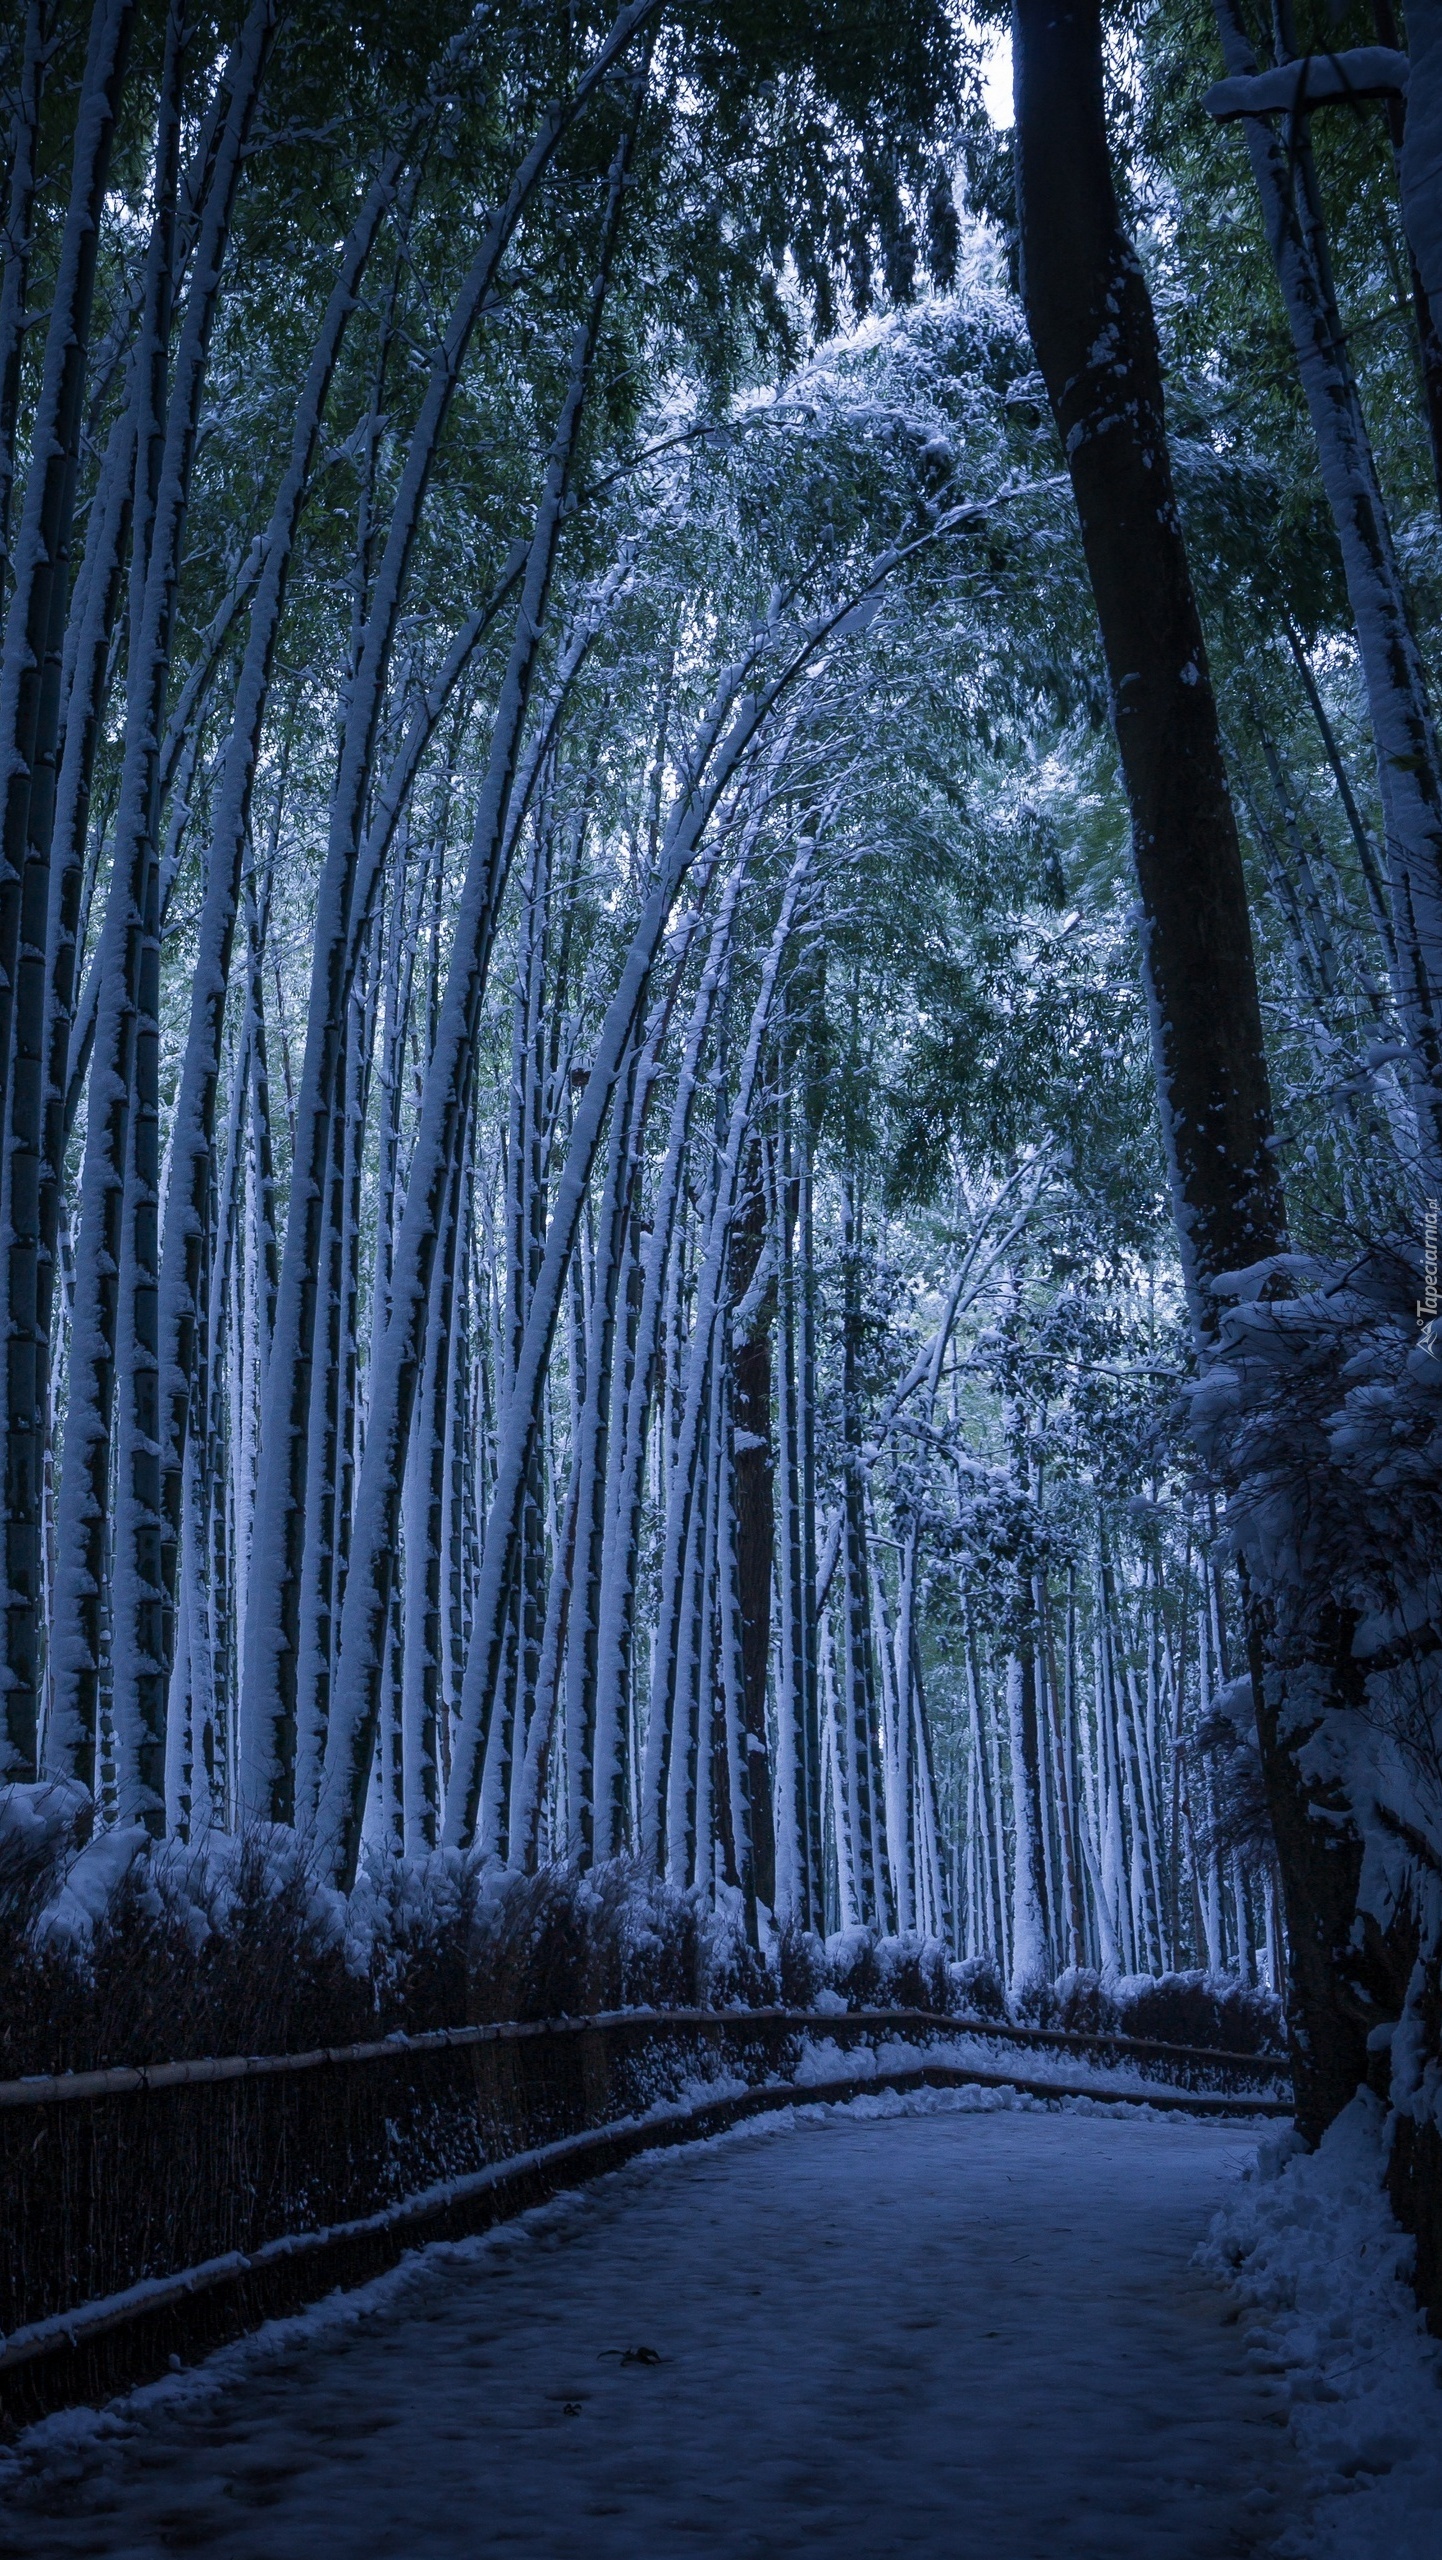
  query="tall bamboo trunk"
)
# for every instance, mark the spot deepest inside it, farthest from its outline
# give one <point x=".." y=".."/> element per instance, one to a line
<point x="862" y="1805"/>
<point x="30" y="708"/>
<point x="755" y="1524"/>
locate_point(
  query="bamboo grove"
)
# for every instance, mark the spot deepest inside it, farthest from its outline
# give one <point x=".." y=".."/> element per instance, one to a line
<point x="586" y="1267"/>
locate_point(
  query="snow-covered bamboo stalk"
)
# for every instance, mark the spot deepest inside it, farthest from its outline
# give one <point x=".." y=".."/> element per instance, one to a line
<point x="688" y="1706"/>
<point x="906" y="1848"/>
<point x="849" y="1904"/>
<point x="735" y="1791"/>
<point x="987" y="1905"/>
<point x="1061" y="1702"/>
<point x="114" y="1343"/>
<point x="797" y="1744"/>
<point x="867" y="1812"/>
<point x="526" y="1812"/>
<point x="589" y="1465"/>
<point x="426" y="1489"/>
<point x="210" y="1535"/>
<point x="936" y="1897"/>
<point x="1028" y="1924"/>
<point x="30" y="669"/>
<point x="806" y="1384"/>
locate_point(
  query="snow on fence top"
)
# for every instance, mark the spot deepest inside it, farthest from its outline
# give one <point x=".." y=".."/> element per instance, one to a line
<point x="49" y="2089"/>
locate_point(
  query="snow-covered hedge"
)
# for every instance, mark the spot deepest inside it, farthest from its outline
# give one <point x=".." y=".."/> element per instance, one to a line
<point x="115" y="1948"/>
<point x="1211" y="2009"/>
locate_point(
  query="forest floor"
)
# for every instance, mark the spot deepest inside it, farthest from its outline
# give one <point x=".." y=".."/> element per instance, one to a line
<point x="900" y="2327"/>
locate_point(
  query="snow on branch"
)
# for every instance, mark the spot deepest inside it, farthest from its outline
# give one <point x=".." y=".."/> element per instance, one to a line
<point x="1316" y="80"/>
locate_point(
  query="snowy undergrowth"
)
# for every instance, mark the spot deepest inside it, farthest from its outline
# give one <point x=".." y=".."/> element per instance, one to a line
<point x="1311" y="2244"/>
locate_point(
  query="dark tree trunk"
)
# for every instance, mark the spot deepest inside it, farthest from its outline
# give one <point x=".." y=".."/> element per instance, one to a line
<point x="1092" y="327"/>
<point x="1342" y="1979"/>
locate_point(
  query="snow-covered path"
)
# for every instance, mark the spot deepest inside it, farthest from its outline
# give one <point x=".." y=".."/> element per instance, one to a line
<point x="957" y="2332"/>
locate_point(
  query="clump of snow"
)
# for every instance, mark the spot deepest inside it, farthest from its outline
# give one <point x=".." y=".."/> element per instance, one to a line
<point x="42" y="1818"/>
<point x="977" y="1989"/>
<point x="1310" y="2242"/>
<point x="90" y="1887"/>
<point x="41" y="1828"/>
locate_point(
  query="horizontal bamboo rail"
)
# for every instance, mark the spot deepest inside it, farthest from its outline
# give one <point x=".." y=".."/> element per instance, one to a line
<point x="66" y="2087"/>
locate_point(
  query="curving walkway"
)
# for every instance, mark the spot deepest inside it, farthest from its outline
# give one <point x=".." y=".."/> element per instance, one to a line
<point x="967" y="2334"/>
